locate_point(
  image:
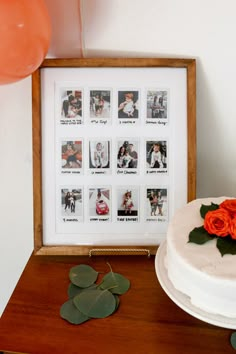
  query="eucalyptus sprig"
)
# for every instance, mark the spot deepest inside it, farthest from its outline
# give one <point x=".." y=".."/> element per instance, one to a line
<point x="88" y="299"/>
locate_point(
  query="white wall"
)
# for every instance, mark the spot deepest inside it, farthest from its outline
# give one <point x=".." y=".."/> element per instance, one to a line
<point x="16" y="225"/>
<point x="204" y="30"/>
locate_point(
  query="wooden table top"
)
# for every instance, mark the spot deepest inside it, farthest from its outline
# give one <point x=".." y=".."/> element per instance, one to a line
<point x="146" y="322"/>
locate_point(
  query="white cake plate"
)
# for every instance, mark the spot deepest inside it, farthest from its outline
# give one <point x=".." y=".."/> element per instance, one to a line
<point x="182" y="300"/>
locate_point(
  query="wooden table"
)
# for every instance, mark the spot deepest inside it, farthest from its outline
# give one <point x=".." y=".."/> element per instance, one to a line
<point x="146" y="322"/>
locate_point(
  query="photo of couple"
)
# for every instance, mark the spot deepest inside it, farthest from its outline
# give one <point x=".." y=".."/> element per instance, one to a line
<point x="71" y="202"/>
<point x="156" y="202"/>
<point x="127" y="156"/>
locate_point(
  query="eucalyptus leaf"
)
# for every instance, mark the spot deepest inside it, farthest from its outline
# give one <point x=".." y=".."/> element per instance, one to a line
<point x="233" y="340"/>
<point x="87" y="299"/>
<point x="74" y="290"/>
<point x="83" y="275"/>
<point x="117" y="301"/>
<point x="96" y="303"/>
<point x="226" y="245"/>
<point x="205" y="208"/>
<point x="200" y="236"/>
<point x="115" y="282"/>
<point x="69" y="312"/>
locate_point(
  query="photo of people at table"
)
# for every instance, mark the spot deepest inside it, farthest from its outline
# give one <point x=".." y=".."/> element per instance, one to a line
<point x="100" y="104"/>
<point x="156" y="104"/>
<point x="127" y="153"/>
<point x="71" y="106"/>
<point x="128" y="104"/>
<point x="71" y="154"/>
<point x="156" y="202"/>
<point x="156" y="154"/>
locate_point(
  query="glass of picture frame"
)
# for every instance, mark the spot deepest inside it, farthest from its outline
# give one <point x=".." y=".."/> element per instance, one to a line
<point x="114" y="152"/>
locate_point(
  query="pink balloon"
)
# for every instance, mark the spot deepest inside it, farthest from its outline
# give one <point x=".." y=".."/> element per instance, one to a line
<point x="25" y="33"/>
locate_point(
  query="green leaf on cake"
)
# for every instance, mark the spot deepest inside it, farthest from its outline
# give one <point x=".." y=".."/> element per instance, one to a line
<point x="200" y="236"/>
<point x="226" y="245"/>
<point x="205" y="208"/>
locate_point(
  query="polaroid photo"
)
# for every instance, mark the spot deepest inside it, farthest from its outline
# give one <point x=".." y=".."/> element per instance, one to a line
<point x="71" y="156"/>
<point x="128" y="107"/>
<point x="99" y="204"/>
<point x="156" y="204"/>
<point x="157" y="102"/>
<point x="72" y="204"/>
<point x="127" y="204"/>
<point x="71" y="101"/>
<point x="99" y="157"/>
<point x="156" y="156"/>
<point x="100" y="106"/>
<point x="127" y="151"/>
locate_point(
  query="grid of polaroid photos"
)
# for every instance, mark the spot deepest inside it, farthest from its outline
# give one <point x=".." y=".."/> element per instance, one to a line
<point x="84" y="155"/>
<point x="124" y="200"/>
<point x="106" y="104"/>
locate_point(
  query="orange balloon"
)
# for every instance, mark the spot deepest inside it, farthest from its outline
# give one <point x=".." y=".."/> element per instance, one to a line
<point x="25" y="33"/>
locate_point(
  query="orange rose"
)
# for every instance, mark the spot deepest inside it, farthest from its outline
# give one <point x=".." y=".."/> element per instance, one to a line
<point x="233" y="228"/>
<point x="217" y="222"/>
<point x="230" y="206"/>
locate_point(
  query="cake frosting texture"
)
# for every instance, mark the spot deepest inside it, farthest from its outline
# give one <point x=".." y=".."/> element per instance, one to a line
<point x="200" y="271"/>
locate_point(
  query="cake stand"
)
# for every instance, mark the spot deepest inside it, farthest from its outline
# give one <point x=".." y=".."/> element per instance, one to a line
<point x="182" y="300"/>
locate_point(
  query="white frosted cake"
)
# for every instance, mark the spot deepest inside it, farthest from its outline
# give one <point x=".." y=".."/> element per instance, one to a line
<point x="200" y="271"/>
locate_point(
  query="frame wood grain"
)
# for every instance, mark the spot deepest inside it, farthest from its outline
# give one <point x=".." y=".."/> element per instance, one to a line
<point x="188" y="64"/>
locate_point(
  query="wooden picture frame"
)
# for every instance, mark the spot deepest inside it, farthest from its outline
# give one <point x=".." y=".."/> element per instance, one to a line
<point x="147" y="76"/>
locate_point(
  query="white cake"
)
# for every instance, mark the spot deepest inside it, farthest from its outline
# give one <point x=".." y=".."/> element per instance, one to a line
<point x="200" y="271"/>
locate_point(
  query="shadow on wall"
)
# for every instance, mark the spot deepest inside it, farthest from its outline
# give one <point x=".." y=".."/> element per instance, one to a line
<point x="66" y="24"/>
<point x="71" y="20"/>
<point x="95" y="53"/>
<point x="213" y="161"/>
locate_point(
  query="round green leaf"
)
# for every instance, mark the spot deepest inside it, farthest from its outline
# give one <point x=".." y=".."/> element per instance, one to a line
<point x="233" y="340"/>
<point x="115" y="282"/>
<point x="117" y="301"/>
<point x="95" y="303"/>
<point x="83" y="275"/>
<point x="74" y="290"/>
<point x="69" y="312"/>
